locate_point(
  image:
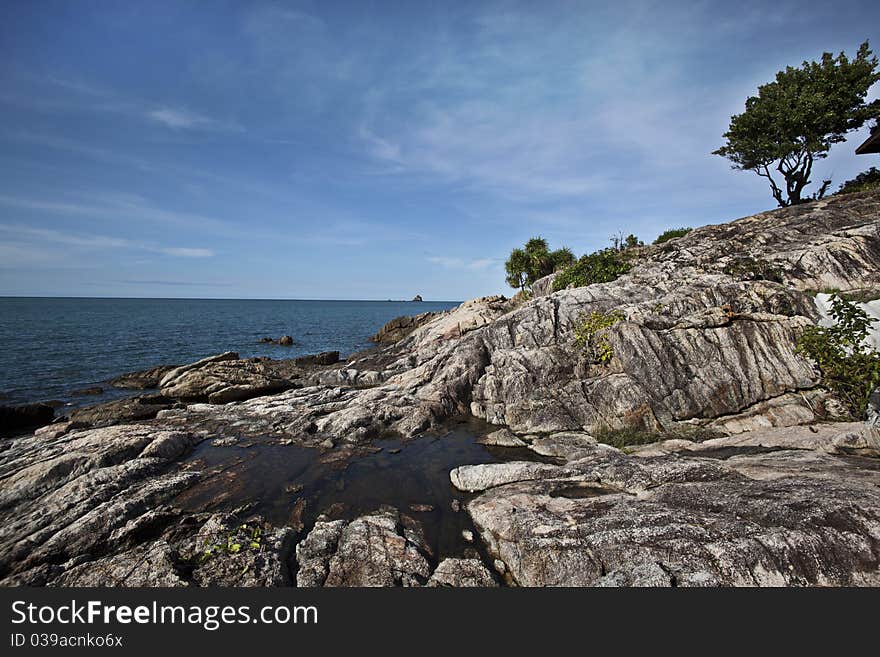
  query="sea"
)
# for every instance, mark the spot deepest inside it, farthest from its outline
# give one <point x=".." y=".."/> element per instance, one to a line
<point x="51" y="348"/>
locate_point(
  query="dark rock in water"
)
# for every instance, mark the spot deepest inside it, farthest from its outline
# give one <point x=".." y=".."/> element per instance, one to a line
<point x="144" y="407"/>
<point x="284" y="341"/>
<point x="142" y="380"/>
<point x="400" y="327"/>
<point x="53" y="403"/>
<point x="324" y="358"/>
<point x="418" y="297"/>
<point x="94" y="390"/>
<point x="24" y="416"/>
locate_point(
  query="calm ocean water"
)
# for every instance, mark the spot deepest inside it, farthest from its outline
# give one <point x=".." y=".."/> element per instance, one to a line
<point x="51" y="347"/>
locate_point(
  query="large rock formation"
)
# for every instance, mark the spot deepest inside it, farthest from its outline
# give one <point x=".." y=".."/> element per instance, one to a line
<point x="400" y="327"/>
<point x="794" y="512"/>
<point x="701" y="340"/>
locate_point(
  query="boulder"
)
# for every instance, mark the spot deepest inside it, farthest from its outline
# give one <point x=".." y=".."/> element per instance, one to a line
<point x="378" y="549"/>
<point x="462" y="573"/>
<point x="285" y="340"/>
<point x="417" y="298"/>
<point x="142" y="380"/>
<point x="224" y="378"/>
<point x="18" y="418"/>
<point x="143" y="407"/>
<point x="502" y="438"/>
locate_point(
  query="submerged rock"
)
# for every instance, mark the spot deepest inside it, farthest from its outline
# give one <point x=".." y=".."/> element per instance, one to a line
<point x="93" y="390"/>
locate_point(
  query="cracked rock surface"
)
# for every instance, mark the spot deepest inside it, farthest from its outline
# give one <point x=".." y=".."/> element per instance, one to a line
<point x="801" y="509"/>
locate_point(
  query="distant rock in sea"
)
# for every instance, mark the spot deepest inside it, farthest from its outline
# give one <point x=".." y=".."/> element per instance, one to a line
<point x="284" y="341"/>
<point x="418" y="297"/>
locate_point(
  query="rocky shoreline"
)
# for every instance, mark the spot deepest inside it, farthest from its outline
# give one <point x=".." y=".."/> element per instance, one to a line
<point x="763" y="483"/>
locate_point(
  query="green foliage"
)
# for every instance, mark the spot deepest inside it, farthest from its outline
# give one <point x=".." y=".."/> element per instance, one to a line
<point x="620" y="243"/>
<point x="600" y="267"/>
<point x="235" y="541"/>
<point x="667" y="235"/>
<point x="865" y="181"/>
<point x="632" y="436"/>
<point x="591" y="336"/>
<point x="752" y="269"/>
<point x="794" y="120"/>
<point x="849" y="368"/>
<point x="535" y="261"/>
<point x="517" y="268"/>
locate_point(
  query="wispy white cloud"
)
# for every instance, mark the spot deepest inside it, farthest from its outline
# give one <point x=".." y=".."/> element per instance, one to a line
<point x="462" y="263"/>
<point x="117" y="206"/>
<point x="187" y="252"/>
<point x="181" y="119"/>
<point x="39" y="236"/>
<point x="57" y="95"/>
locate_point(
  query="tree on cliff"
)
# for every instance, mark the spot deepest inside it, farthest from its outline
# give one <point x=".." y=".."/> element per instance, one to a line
<point x="534" y="261"/>
<point x="793" y="121"/>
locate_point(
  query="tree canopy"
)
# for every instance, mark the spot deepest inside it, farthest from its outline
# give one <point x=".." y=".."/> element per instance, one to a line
<point x="794" y="121"/>
<point x="535" y="260"/>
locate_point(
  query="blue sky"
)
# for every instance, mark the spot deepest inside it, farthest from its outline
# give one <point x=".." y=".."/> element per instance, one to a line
<point x="373" y="150"/>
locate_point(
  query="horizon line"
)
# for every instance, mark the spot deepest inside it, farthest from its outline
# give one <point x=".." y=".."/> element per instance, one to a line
<point x="32" y="296"/>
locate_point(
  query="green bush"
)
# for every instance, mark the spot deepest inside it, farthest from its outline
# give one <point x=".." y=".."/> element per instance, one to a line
<point x="667" y="235"/>
<point x="590" y="335"/>
<point x="600" y="267"/>
<point x="865" y="181"/>
<point x="849" y="369"/>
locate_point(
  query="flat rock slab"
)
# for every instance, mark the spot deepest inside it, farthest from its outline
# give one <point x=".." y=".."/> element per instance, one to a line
<point x="687" y="521"/>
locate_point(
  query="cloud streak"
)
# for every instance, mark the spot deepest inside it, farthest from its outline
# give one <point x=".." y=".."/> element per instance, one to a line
<point x="38" y="236"/>
<point x="461" y="263"/>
